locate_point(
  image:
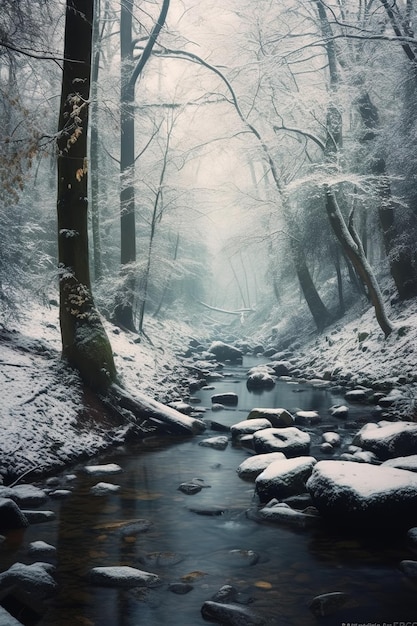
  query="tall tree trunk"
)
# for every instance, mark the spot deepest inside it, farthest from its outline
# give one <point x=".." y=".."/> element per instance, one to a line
<point x="123" y="311"/>
<point x="130" y="72"/>
<point x="85" y="344"/>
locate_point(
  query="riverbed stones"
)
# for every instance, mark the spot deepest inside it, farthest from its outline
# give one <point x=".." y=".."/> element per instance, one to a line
<point x="332" y="438"/>
<point x="24" y="495"/>
<point x="251" y="467"/>
<point x="290" y="441"/>
<point x="284" y="478"/>
<point x="225" y="352"/>
<point x="38" y="517"/>
<point x="361" y="495"/>
<point x="403" y="462"/>
<point x="388" y="439"/>
<point x="309" y="417"/>
<point x="104" y="489"/>
<point x="279" y="418"/>
<point x="248" y="427"/>
<point x="282" y="513"/>
<point x="11" y="516"/>
<point x="327" y="603"/>
<point x="218" y="443"/>
<point x="356" y="395"/>
<point x="230" y="614"/>
<point x="409" y="568"/>
<point x="33" y="579"/>
<point x="41" y="547"/>
<point x="109" y="468"/>
<point x="122" y="577"/>
<point x="260" y="379"/>
<point x="339" y="410"/>
<point x="229" y="398"/>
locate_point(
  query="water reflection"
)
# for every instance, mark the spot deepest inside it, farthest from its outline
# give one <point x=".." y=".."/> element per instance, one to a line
<point x="148" y="524"/>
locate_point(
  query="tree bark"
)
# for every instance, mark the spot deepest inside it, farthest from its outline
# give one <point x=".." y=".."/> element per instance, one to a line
<point x="84" y="341"/>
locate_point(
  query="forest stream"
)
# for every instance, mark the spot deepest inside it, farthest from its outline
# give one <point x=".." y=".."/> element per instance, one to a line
<point x="199" y="543"/>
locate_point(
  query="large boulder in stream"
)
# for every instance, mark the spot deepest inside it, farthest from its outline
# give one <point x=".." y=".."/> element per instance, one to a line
<point x="362" y="495"/>
<point x="279" y="418"/>
<point x="388" y="439"/>
<point x="285" y="477"/>
<point x="250" y="468"/>
<point x="290" y="441"/>
<point x="11" y="516"/>
<point x="260" y="378"/>
<point x="225" y="352"/>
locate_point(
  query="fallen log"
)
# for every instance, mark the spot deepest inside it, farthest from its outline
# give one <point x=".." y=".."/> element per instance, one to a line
<point x="142" y="408"/>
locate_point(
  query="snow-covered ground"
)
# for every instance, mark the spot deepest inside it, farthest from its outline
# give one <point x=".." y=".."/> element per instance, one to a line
<point x="43" y="418"/>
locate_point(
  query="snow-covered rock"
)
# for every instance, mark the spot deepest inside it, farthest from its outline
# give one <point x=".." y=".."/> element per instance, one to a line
<point x="339" y="410"/>
<point x="122" y="576"/>
<point x="311" y="417"/>
<point x="251" y="467"/>
<point x="282" y="513"/>
<point x="332" y="438"/>
<point x="409" y="568"/>
<point x="356" y="395"/>
<point x="403" y="462"/>
<point x="38" y="517"/>
<point x="24" y="495"/>
<point x="11" y="516"/>
<point x="248" y="427"/>
<point x="108" y="468"/>
<point x="232" y="614"/>
<point x="41" y="547"/>
<point x="218" y="443"/>
<point x="281" y="368"/>
<point x="228" y="398"/>
<point x="290" y="441"/>
<point x="360" y="494"/>
<point x="104" y="489"/>
<point x="327" y="603"/>
<point x="225" y="352"/>
<point x="260" y="378"/>
<point x="35" y="578"/>
<point x="279" y="418"/>
<point x="283" y="478"/>
<point x="388" y="439"/>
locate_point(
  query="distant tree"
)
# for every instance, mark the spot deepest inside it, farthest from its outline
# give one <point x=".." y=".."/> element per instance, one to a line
<point x="131" y="70"/>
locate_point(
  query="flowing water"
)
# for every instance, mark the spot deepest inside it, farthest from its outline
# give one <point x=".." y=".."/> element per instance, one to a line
<point x="277" y="570"/>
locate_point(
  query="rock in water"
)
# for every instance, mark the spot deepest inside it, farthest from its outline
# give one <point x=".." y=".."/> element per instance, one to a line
<point x="122" y="576"/>
<point x="284" y="478"/>
<point x="388" y="440"/>
<point x="250" y="468"/>
<point x="328" y="603"/>
<point x="230" y="614"/>
<point x="11" y="516"/>
<point x="225" y="352"/>
<point x="364" y="495"/>
<point x="290" y="441"/>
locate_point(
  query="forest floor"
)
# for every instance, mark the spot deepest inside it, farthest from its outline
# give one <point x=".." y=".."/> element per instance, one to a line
<point x="48" y="420"/>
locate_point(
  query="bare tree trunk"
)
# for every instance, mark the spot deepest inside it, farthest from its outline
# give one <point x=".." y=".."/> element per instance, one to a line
<point x="84" y="341"/>
<point x="130" y="72"/>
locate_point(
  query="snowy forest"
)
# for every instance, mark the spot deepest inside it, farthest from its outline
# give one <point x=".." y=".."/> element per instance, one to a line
<point x="208" y="312"/>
